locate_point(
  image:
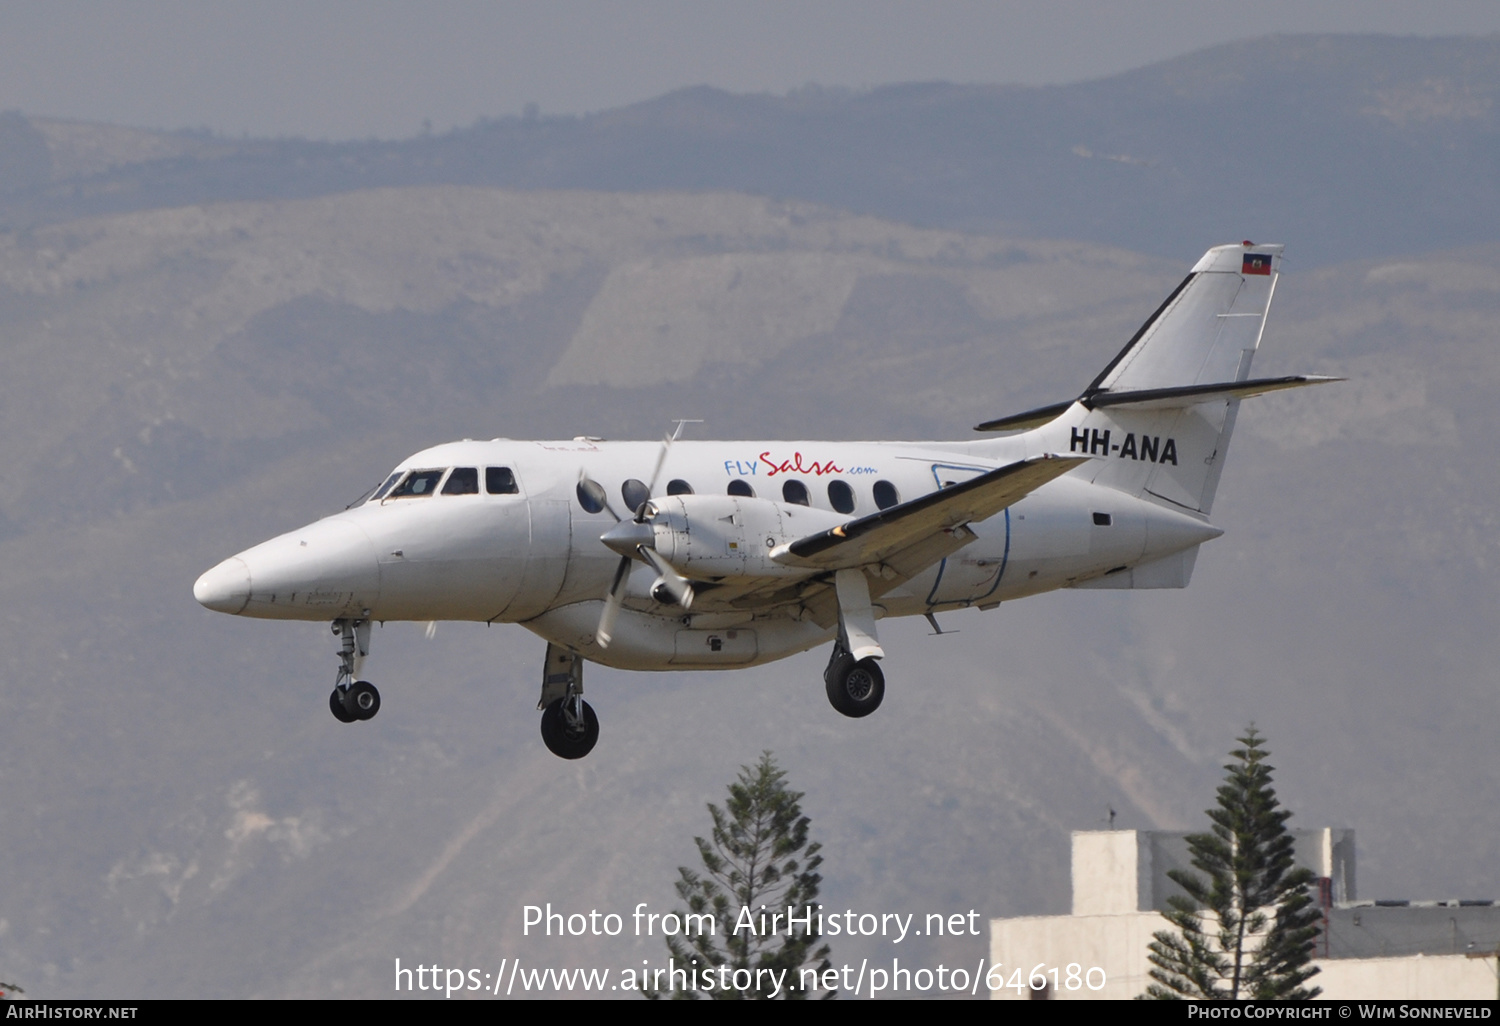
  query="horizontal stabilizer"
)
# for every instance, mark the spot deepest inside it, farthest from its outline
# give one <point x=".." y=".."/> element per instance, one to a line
<point x="871" y="539"/>
<point x="1192" y="395"/>
<point x="1030" y="419"/>
<point x="1155" y="399"/>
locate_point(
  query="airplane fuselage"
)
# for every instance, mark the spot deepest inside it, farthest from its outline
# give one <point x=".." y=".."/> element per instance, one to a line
<point x="529" y="553"/>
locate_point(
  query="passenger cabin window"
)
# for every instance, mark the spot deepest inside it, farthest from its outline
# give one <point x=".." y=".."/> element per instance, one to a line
<point x="463" y="481"/>
<point x="795" y="492"/>
<point x="677" y="486"/>
<point x="841" y="496"/>
<point x="587" y="500"/>
<point x="418" y="484"/>
<point x="500" y="481"/>
<point x="634" y="493"/>
<point x="739" y="486"/>
<point x="380" y="492"/>
<point x="886" y="495"/>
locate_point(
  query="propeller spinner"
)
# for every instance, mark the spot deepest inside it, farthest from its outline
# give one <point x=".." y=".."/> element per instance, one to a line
<point x="632" y="539"/>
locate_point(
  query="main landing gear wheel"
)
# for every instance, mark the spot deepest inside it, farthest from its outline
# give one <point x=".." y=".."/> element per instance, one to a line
<point x="569" y="728"/>
<point x="359" y="701"/>
<point x="336" y="706"/>
<point x="855" y="688"/>
<point x="362" y="700"/>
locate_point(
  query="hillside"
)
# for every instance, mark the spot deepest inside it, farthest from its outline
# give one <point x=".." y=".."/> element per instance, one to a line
<point x="183" y="817"/>
<point x="1362" y="146"/>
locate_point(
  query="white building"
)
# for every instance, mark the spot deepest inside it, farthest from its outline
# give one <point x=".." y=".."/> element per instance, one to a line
<point x="1370" y="950"/>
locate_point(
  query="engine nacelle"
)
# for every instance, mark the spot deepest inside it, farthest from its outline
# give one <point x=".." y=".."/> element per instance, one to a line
<point x="712" y="537"/>
<point x="661" y="593"/>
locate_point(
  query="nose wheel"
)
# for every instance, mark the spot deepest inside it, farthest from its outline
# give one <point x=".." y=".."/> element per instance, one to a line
<point x="352" y="699"/>
<point x="569" y="727"/>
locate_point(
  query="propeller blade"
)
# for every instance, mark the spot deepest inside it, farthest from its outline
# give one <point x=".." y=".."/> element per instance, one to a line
<point x="661" y="459"/>
<point x="682" y="591"/>
<point x="604" y="633"/>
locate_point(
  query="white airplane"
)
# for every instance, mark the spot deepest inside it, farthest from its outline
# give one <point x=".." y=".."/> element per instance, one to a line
<point x="753" y="551"/>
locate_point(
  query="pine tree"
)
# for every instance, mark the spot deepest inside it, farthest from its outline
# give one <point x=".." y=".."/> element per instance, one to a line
<point x="1264" y="922"/>
<point x="757" y="858"/>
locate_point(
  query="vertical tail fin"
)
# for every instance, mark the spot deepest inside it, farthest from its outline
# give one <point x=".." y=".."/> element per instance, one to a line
<point x="1208" y="329"/>
<point x="1206" y="333"/>
<point x="1160" y="415"/>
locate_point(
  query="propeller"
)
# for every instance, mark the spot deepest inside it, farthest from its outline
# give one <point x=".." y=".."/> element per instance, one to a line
<point x="632" y="539"/>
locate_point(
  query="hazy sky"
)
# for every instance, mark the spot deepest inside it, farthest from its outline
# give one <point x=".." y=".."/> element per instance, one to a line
<point x="355" y="68"/>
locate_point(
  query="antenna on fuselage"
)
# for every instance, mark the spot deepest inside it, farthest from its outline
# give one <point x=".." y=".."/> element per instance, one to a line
<point x="936" y="630"/>
<point x="681" y="422"/>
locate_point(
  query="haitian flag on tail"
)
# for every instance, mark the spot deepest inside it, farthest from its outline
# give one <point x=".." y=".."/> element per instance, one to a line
<point x="1256" y="263"/>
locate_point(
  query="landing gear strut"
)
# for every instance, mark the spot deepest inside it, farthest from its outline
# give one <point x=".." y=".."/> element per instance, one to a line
<point x="352" y="699"/>
<point x="855" y="687"/>
<point x="853" y="678"/>
<point x="569" y="727"/>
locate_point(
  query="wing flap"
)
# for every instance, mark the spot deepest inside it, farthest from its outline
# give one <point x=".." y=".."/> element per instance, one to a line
<point x="874" y="538"/>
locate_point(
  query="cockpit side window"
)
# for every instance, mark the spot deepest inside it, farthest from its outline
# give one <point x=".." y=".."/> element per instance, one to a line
<point x="380" y="492"/>
<point x="417" y="484"/>
<point x="500" y="481"/>
<point x="463" y="481"/>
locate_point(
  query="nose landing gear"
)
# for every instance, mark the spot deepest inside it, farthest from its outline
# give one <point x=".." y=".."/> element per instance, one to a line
<point x="569" y="727"/>
<point x="352" y="699"/>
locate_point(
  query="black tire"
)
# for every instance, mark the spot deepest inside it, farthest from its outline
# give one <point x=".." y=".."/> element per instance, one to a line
<point x="569" y="741"/>
<point x="837" y="669"/>
<point x="336" y="706"/>
<point x="362" y="701"/>
<point x="857" y="689"/>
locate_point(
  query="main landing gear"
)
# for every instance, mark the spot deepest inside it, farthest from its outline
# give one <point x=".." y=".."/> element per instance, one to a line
<point x="855" y="687"/>
<point x="352" y="699"/>
<point x="569" y="727"/>
<point x="853" y="678"/>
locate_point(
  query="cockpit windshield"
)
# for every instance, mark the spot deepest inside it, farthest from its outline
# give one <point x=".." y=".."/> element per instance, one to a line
<point x="417" y="484"/>
<point x="379" y="493"/>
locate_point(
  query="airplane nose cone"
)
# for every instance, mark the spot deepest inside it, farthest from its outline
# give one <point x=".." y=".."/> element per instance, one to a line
<point x="225" y="588"/>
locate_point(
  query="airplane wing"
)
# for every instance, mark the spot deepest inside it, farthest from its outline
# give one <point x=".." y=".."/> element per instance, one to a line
<point x="903" y="540"/>
<point x="934" y="522"/>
